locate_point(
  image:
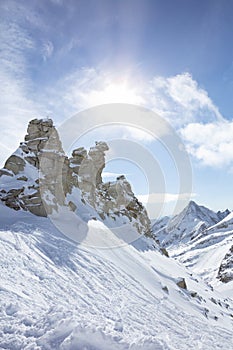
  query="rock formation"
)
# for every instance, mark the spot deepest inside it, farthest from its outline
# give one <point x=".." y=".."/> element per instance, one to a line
<point x="225" y="273"/>
<point x="38" y="177"/>
<point x="22" y="168"/>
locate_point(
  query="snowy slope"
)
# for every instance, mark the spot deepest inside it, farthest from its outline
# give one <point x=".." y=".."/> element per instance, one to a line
<point x="56" y="294"/>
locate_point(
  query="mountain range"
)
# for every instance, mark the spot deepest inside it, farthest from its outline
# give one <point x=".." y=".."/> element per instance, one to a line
<point x="201" y="239"/>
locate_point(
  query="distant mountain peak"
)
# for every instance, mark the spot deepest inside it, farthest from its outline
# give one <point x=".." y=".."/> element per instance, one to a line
<point x="192" y="206"/>
<point x="191" y="222"/>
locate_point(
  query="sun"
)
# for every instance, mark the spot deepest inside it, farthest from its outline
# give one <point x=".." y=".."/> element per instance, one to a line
<point x="116" y="92"/>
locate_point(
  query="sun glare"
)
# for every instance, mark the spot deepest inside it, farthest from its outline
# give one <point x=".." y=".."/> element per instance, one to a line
<point x="121" y="92"/>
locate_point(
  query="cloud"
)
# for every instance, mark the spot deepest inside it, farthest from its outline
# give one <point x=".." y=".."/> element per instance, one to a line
<point x="47" y="50"/>
<point x="164" y="197"/>
<point x="16" y="105"/>
<point x="57" y="2"/>
<point x="89" y="87"/>
<point x="187" y="106"/>
<point x="177" y="98"/>
<point x="211" y="143"/>
<point x="108" y="175"/>
<point x="160" y="204"/>
<point x="180" y="100"/>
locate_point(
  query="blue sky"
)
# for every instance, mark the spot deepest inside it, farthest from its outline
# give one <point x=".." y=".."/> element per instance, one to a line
<point x="174" y="57"/>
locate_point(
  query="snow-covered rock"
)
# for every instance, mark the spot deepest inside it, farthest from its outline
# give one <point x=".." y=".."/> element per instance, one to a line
<point x="19" y="179"/>
<point x="40" y="178"/>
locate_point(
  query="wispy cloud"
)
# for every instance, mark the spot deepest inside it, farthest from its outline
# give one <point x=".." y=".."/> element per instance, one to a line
<point x="47" y="49"/>
<point x="17" y="107"/>
<point x="161" y="204"/>
<point x="57" y="2"/>
<point x="154" y="198"/>
<point x="180" y="100"/>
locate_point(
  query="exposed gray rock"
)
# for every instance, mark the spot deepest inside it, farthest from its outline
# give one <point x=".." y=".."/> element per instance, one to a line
<point x="72" y="206"/>
<point x="117" y="199"/>
<point x="164" y="252"/>
<point x="22" y="178"/>
<point x="225" y="273"/>
<point x="181" y="283"/>
<point x="165" y="289"/>
<point x="90" y="170"/>
<point x="15" y="164"/>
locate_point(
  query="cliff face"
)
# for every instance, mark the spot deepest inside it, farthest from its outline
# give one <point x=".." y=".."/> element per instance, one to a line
<point x="40" y="162"/>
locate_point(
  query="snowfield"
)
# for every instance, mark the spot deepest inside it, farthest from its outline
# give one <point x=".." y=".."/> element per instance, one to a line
<point x="57" y="294"/>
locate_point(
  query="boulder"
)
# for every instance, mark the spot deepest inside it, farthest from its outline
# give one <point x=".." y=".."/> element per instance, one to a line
<point x="15" y="164"/>
<point x="181" y="283"/>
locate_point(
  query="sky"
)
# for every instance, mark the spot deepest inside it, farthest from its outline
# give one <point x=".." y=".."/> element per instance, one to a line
<point x="173" y="57"/>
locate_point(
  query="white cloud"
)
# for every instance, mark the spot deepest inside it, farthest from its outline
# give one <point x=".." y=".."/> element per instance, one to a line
<point x="161" y="204"/>
<point x="211" y="143"/>
<point x="164" y="197"/>
<point x="108" y="175"/>
<point x="180" y="100"/>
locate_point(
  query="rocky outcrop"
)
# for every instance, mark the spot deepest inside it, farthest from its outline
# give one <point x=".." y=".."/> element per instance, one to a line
<point x="90" y="170"/>
<point x="181" y="283"/>
<point x="39" y="176"/>
<point x="117" y="199"/>
<point x="225" y="273"/>
<point x="112" y="199"/>
<point x="23" y="167"/>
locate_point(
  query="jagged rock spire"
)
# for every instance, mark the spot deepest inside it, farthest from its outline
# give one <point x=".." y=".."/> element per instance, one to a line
<point x="42" y="151"/>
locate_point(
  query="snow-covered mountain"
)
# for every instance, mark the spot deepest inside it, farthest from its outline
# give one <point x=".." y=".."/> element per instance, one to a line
<point x="56" y="294"/>
<point x="202" y="240"/>
<point x="184" y="227"/>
